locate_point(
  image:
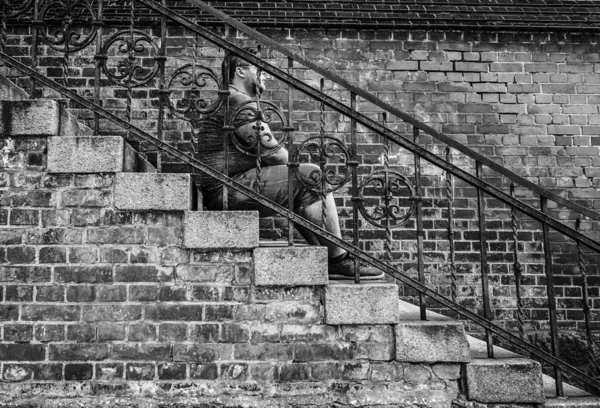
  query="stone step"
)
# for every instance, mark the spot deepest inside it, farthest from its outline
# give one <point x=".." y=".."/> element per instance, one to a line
<point x="93" y="154"/>
<point x="220" y="229"/>
<point x="39" y="117"/>
<point x="431" y="342"/>
<point x="573" y="402"/>
<point x="153" y="191"/>
<point x="290" y="266"/>
<point x="509" y="380"/>
<point x="10" y="91"/>
<point x="367" y="303"/>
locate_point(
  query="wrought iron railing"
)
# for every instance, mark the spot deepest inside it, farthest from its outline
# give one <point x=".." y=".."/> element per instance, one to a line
<point x="385" y="198"/>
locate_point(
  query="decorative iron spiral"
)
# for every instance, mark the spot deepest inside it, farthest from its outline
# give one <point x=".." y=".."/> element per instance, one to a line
<point x="189" y="92"/>
<point x="264" y="113"/>
<point x="336" y="175"/>
<point x="129" y="71"/>
<point x="15" y="8"/>
<point x="389" y="192"/>
<point x="68" y="24"/>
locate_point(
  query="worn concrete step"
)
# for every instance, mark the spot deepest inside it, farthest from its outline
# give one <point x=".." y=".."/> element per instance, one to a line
<point x="367" y="303"/>
<point x="10" y="91"/>
<point x="508" y="380"/>
<point x="94" y="154"/>
<point x="573" y="402"/>
<point x="220" y="229"/>
<point x="431" y="342"/>
<point x="290" y="266"/>
<point x="39" y="117"/>
<point x="153" y="191"/>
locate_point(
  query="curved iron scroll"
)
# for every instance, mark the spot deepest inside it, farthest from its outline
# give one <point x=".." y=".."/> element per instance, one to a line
<point x="388" y="184"/>
<point x="263" y="144"/>
<point x="130" y="72"/>
<point x="68" y="25"/>
<point x="188" y="92"/>
<point x="15" y="8"/>
<point x="321" y="150"/>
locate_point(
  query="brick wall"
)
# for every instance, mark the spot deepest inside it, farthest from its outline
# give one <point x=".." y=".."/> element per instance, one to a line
<point x="99" y="305"/>
<point x="526" y="100"/>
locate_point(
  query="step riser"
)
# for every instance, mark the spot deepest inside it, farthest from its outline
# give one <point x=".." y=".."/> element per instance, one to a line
<point x="505" y="381"/>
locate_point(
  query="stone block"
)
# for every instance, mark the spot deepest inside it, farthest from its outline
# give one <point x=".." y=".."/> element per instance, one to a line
<point x="10" y="91"/>
<point x="375" y="303"/>
<point x="84" y="154"/>
<point x="511" y="380"/>
<point x="431" y="342"/>
<point x="220" y="229"/>
<point x="151" y="191"/>
<point x="290" y="266"/>
<point x="30" y="118"/>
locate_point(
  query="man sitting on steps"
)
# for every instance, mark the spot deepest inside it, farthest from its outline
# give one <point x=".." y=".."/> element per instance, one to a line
<point x="245" y="83"/>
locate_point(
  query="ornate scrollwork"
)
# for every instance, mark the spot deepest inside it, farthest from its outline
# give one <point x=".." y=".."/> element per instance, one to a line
<point x="259" y="114"/>
<point x="322" y="151"/>
<point x="68" y="24"/>
<point x="193" y="92"/>
<point x="388" y="185"/>
<point x="129" y="72"/>
<point x="15" y="8"/>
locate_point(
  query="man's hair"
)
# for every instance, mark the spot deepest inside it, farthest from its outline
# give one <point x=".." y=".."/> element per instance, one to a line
<point x="234" y="62"/>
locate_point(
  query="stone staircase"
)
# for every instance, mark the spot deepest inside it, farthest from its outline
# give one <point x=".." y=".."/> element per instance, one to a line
<point x="116" y="290"/>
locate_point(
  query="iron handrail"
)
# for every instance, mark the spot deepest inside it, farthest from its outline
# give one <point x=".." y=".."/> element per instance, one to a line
<point x="389" y="108"/>
<point x="376" y="127"/>
<point x="196" y="164"/>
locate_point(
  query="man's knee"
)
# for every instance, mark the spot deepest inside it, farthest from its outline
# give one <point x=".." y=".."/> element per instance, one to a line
<point x="310" y="173"/>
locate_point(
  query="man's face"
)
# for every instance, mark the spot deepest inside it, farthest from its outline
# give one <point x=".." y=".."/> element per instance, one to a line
<point x="254" y="79"/>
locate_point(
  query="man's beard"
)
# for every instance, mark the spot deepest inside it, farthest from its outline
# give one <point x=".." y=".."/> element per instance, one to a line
<point x="259" y="87"/>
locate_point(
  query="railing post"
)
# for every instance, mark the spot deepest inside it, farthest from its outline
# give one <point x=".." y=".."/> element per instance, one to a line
<point x="34" y="45"/>
<point x="593" y="368"/>
<point x="228" y="129"/>
<point x="162" y="59"/>
<point x="98" y="67"/>
<point x="551" y="298"/>
<point x="450" y="200"/>
<point x="354" y="167"/>
<point x="290" y="146"/>
<point x="420" y="232"/>
<point x="487" y="310"/>
<point x="517" y="268"/>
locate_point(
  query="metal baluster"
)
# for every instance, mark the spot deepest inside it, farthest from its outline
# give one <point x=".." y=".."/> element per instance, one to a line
<point x="35" y="24"/>
<point x="258" y="127"/>
<point x="3" y="29"/>
<point x="226" y="127"/>
<point x="517" y="269"/>
<point x="66" y="29"/>
<point x="323" y="159"/>
<point x="551" y="298"/>
<point x="162" y="60"/>
<point x="387" y="194"/>
<point x="290" y="146"/>
<point x="450" y="201"/>
<point x="487" y="310"/>
<point x="355" y="196"/>
<point x="131" y="58"/>
<point x="420" y="233"/>
<point x="593" y="368"/>
<point x="98" y="69"/>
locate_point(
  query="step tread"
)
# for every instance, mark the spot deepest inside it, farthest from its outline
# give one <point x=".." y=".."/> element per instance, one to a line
<point x="573" y="402"/>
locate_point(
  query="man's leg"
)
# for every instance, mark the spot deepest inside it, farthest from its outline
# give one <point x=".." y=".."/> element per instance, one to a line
<point x="313" y="213"/>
